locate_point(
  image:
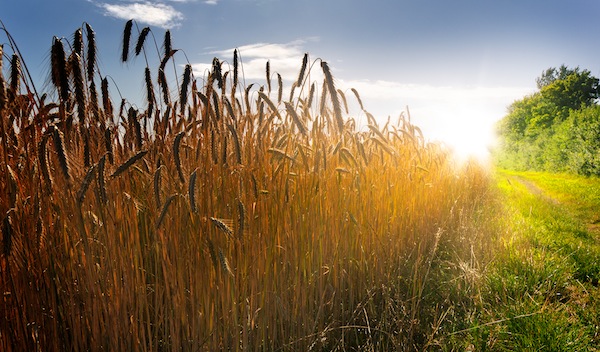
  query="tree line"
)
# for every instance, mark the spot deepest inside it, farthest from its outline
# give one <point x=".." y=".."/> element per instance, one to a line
<point x="557" y="128"/>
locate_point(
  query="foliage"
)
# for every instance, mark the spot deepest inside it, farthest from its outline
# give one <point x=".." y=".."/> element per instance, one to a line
<point x="544" y="131"/>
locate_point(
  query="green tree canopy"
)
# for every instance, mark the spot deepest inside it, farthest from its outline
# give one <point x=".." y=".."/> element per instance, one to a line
<point x="534" y="133"/>
<point x="560" y="91"/>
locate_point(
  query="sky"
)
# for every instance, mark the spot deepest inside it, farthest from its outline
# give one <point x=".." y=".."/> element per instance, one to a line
<point x="455" y="66"/>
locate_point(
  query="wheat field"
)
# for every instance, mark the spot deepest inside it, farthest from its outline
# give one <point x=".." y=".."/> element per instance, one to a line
<point x="221" y="215"/>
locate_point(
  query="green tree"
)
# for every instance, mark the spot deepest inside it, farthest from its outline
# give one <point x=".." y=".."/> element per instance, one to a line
<point x="527" y="132"/>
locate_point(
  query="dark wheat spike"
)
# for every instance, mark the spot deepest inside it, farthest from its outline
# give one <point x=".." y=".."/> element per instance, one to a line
<point x="15" y="74"/>
<point x="236" y="143"/>
<point x="311" y="95"/>
<point x="126" y="40"/>
<point x="164" y="210"/>
<point x="149" y="91"/>
<point x="241" y="218"/>
<point x="247" y="97"/>
<point x="177" y="156"/>
<point x="91" y="51"/>
<point x="302" y="70"/>
<point x="57" y="138"/>
<point x="58" y="63"/>
<point x="78" y="41"/>
<point x="266" y="99"/>
<point x="225" y="263"/>
<point x="85" y="184"/>
<point x="216" y="105"/>
<point x="94" y="103"/>
<point x="106" y="103"/>
<point x="224" y="150"/>
<point x="167" y="43"/>
<point x="235" y="70"/>
<point x="86" y="149"/>
<point x="128" y="163"/>
<point x="292" y="112"/>
<point x="268" y="72"/>
<point x="280" y="89"/>
<point x="337" y="110"/>
<point x="75" y="68"/>
<point x="221" y="225"/>
<point x="192" y="191"/>
<point x="216" y="65"/>
<point x="183" y="93"/>
<point x="141" y="39"/>
<point x="162" y="83"/>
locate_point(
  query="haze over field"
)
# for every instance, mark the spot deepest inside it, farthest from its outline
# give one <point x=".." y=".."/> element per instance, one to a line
<point x="456" y="65"/>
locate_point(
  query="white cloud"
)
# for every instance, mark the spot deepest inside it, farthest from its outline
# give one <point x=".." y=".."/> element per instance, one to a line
<point x="211" y="2"/>
<point x="285" y="59"/>
<point x="155" y="14"/>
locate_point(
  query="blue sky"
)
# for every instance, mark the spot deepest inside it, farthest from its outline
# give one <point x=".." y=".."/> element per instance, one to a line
<point x="456" y="64"/>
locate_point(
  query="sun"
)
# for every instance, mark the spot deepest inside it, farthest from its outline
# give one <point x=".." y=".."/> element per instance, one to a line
<point x="468" y="136"/>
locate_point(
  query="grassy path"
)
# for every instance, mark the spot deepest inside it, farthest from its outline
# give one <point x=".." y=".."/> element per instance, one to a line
<point x="542" y="290"/>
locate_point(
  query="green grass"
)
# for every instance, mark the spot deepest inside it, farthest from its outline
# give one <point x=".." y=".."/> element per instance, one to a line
<point x="541" y="293"/>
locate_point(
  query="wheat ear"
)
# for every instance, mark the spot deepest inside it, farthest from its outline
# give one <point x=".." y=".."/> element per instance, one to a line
<point x="177" y="156"/>
<point x="337" y="110"/>
<point x="58" y="64"/>
<point x="141" y="39"/>
<point x="126" y="40"/>
<point x="191" y="191"/>
<point x="128" y="163"/>
<point x="91" y="52"/>
<point x="85" y="184"/>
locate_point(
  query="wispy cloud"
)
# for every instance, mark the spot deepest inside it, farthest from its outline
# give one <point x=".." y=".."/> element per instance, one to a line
<point x="211" y="2"/>
<point x="284" y="59"/>
<point x="154" y="14"/>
